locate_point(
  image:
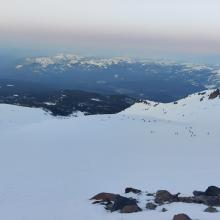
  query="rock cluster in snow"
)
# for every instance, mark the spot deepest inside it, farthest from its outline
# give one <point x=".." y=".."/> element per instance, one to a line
<point x="115" y="202"/>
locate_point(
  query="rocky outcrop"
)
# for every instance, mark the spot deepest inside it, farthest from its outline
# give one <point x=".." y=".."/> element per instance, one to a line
<point x="214" y="94"/>
<point x="104" y="196"/>
<point x="210" y="197"/>
<point x="151" y="206"/>
<point x="181" y="217"/>
<point x="212" y="191"/>
<point x="120" y="202"/>
<point x="165" y="196"/>
<point x="115" y="202"/>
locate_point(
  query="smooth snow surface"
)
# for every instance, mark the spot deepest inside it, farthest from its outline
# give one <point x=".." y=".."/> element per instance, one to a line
<point x="50" y="167"/>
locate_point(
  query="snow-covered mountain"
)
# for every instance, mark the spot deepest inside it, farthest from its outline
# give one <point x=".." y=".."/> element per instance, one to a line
<point x="158" y="80"/>
<point x="50" y="166"/>
<point x="69" y="60"/>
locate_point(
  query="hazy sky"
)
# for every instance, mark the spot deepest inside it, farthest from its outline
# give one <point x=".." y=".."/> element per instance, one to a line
<point x="136" y="27"/>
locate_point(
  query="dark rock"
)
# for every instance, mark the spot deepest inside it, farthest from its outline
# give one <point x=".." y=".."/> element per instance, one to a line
<point x="150" y="194"/>
<point x="201" y="93"/>
<point x="212" y="200"/>
<point x="198" y="193"/>
<point x="186" y="199"/>
<point x="133" y="190"/>
<point x="211" y="209"/>
<point x="201" y="99"/>
<point x="208" y="200"/>
<point x="109" y="206"/>
<point x="164" y="210"/>
<point x="96" y="202"/>
<point x="214" y="94"/>
<point x="190" y="199"/>
<point x="181" y="217"/>
<point x="120" y="202"/>
<point x="104" y="196"/>
<point x="212" y="191"/>
<point x="130" y="209"/>
<point x="151" y="206"/>
<point x="165" y="196"/>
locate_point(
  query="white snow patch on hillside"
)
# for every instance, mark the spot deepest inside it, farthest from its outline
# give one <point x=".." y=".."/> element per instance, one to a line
<point x="14" y="117"/>
<point x="10" y="85"/>
<point x="19" y="66"/>
<point x="51" y="167"/>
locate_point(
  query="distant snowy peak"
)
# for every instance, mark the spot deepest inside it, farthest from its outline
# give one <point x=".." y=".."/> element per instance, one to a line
<point x="68" y="60"/>
<point x="64" y="62"/>
<point x="59" y="59"/>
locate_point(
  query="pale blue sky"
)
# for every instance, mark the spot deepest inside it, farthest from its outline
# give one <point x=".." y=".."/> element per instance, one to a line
<point x="127" y="26"/>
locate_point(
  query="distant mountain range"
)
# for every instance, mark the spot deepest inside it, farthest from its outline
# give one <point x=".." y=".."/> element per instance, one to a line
<point x="140" y="79"/>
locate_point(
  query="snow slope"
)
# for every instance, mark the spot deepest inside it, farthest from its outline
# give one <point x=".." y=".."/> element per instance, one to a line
<point x="14" y="117"/>
<point x="50" y="167"/>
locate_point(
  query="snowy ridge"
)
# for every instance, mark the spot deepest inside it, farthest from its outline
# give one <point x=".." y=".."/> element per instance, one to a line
<point x="67" y="60"/>
<point x="193" y="107"/>
<point x="50" y="168"/>
<point x="196" y="76"/>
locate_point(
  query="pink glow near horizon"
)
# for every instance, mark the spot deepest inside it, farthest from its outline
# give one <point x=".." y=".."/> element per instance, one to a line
<point x="156" y="25"/>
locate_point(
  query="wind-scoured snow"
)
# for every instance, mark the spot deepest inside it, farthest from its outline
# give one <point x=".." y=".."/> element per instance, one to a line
<point x="50" y="167"/>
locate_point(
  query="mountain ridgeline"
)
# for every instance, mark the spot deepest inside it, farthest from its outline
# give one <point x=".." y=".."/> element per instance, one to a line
<point x="140" y="79"/>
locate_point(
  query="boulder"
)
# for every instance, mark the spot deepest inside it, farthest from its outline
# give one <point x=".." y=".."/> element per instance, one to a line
<point x="130" y="209"/>
<point x="164" y="210"/>
<point x="212" y="191"/>
<point x="165" y="196"/>
<point x="211" y="209"/>
<point x="181" y="217"/>
<point x="120" y="202"/>
<point x="208" y="200"/>
<point x="133" y="190"/>
<point x="151" y="206"/>
<point x="150" y="194"/>
<point x="104" y="196"/>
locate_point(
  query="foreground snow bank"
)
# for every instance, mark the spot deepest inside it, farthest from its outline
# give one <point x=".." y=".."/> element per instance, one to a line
<point x="51" y="167"/>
